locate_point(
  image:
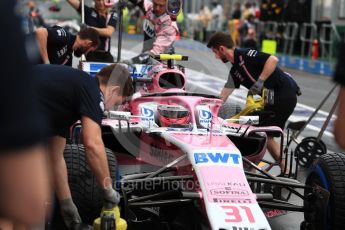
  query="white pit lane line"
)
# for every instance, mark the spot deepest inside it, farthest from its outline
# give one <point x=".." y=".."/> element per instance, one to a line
<point x="214" y="85"/>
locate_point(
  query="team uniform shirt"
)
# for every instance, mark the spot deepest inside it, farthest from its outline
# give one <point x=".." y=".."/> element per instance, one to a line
<point x="159" y="32"/>
<point x="340" y="69"/>
<point x="65" y="95"/>
<point x="20" y="124"/>
<point x="60" y="46"/>
<point x="247" y="67"/>
<point x="92" y="18"/>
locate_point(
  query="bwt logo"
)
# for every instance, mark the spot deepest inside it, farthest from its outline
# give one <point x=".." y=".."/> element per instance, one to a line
<point x="217" y="158"/>
<point x="147" y="112"/>
<point x="204" y="114"/>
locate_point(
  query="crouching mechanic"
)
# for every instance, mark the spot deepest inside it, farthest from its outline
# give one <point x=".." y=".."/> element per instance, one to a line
<point x="67" y="95"/>
<point x="160" y="29"/>
<point x="255" y="70"/>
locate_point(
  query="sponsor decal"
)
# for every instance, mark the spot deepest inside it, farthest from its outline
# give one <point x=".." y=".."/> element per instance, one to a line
<point x="148" y="114"/>
<point x="101" y="104"/>
<point x="149" y="28"/>
<point x="224" y="158"/>
<point x="238" y="76"/>
<point x="232" y="200"/>
<point x="115" y="16"/>
<point x="231" y="184"/>
<point x="242" y="228"/>
<point x="61" y="52"/>
<point x="205" y="117"/>
<point x="205" y="114"/>
<point x="93" y="14"/>
<point x="271" y="213"/>
<point x="208" y="101"/>
<point x="227" y="191"/>
<point x="252" y="53"/>
<point x="179" y="130"/>
<point x="61" y="32"/>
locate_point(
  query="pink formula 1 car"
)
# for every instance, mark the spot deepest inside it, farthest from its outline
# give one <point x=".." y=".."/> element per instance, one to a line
<point x="180" y="166"/>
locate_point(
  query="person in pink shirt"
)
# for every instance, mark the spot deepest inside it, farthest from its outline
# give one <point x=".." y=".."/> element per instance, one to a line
<point x="160" y="29"/>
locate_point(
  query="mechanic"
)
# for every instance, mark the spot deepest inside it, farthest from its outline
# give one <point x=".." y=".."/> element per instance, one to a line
<point x="57" y="45"/>
<point x="104" y="23"/>
<point x="255" y="70"/>
<point x="67" y="95"/>
<point x="160" y="29"/>
<point x="24" y="182"/>
<point x="339" y="77"/>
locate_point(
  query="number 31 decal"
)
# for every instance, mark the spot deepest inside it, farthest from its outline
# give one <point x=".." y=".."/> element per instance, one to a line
<point x="233" y="214"/>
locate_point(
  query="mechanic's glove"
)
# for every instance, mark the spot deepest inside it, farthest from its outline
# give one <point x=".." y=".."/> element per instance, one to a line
<point x="257" y="87"/>
<point x="70" y="213"/>
<point x="142" y="58"/>
<point x="112" y="196"/>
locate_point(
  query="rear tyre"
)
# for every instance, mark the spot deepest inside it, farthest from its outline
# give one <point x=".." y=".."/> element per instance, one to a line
<point x="328" y="172"/>
<point x="86" y="193"/>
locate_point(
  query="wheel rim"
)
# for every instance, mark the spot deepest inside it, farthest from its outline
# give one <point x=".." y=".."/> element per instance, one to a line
<point x="309" y="149"/>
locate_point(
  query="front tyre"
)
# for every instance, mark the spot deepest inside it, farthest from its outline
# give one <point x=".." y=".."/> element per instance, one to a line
<point x="328" y="172"/>
<point x="228" y="110"/>
<point x="86" y="193"/>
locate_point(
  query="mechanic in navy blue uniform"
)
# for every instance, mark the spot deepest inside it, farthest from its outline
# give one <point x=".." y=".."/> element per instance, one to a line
<point x="67" y="95"/>
<point x="255" y="70"/>
<point x="339" y="77"/>
<point x="24" y="182"/>
<point x="104" y="23"/>
<point x="57" y="45"/>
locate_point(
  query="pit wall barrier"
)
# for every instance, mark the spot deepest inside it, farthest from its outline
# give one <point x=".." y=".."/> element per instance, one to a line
<point x="306" y="65"/>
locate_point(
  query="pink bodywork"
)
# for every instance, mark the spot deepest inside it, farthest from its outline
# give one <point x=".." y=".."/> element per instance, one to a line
<point x="191" y="141"/>
<point x="160" y="70"/>
<point x="191" y="102"/>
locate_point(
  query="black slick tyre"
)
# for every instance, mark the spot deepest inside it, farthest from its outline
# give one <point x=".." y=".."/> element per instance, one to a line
<point x="86" y="193"/>
<point x="228" y="110"/>
<point x="328" y="172"/>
